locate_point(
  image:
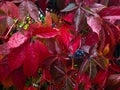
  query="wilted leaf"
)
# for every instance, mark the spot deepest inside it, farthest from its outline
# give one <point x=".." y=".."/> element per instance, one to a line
<point x="48" y="19"/>
<point x="70" y="7"/>
<point x="106" y="49"/>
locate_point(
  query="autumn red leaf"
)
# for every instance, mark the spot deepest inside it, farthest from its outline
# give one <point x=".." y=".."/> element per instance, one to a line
<point x="17" y="39"/>
<point x="37" y="52"/>
<point x="69" y="17"/>
<point x="16" y="57"/>
<point x="45" y="32"/>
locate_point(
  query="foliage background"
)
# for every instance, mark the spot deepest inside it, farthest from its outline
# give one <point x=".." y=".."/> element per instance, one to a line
<point x="60" y="44"/>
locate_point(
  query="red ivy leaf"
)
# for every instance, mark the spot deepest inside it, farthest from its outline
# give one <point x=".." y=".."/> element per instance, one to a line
<point x="111" y="13"/>
<point x="16" y="57"/>
<point x="69" y="17"/>
<point x="28" y="7"/>
<point x="45" y="32"/>
<point x="65" y="36"/>
<point x="10" y="9"/>
<point x="75" y="44"/>
<point x="16" y="40"/>
<point x="94" y="23"/>
<point x="32" y="56"/>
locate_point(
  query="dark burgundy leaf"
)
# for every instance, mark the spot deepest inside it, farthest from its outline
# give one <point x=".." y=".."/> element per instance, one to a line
<point x="57" y="70"/>
<point x="18" y="78"/>
<point x="91" y="39"/>
<point x="4" y="70"/>
<point x="42" y="4"/>
<point x="110" y="11"/>
<point x="3" y="22"/>
<point x="115" y="67"/>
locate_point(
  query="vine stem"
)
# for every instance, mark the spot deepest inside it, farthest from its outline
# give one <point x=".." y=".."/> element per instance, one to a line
<point x="11" y="28"/>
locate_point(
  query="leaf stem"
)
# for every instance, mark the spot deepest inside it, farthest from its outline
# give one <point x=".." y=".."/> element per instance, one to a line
<point x="10" y="29"/>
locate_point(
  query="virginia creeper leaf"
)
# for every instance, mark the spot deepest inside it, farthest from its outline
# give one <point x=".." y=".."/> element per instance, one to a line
<point x="30" y="64"/>
<point x="28" y="7"/>
<point x="94" y="23"/>
<point x="10" y="9"/>
<point x="45" y="32"/>
<point x="17" y="39"/>
<point x="16" y="57"/>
